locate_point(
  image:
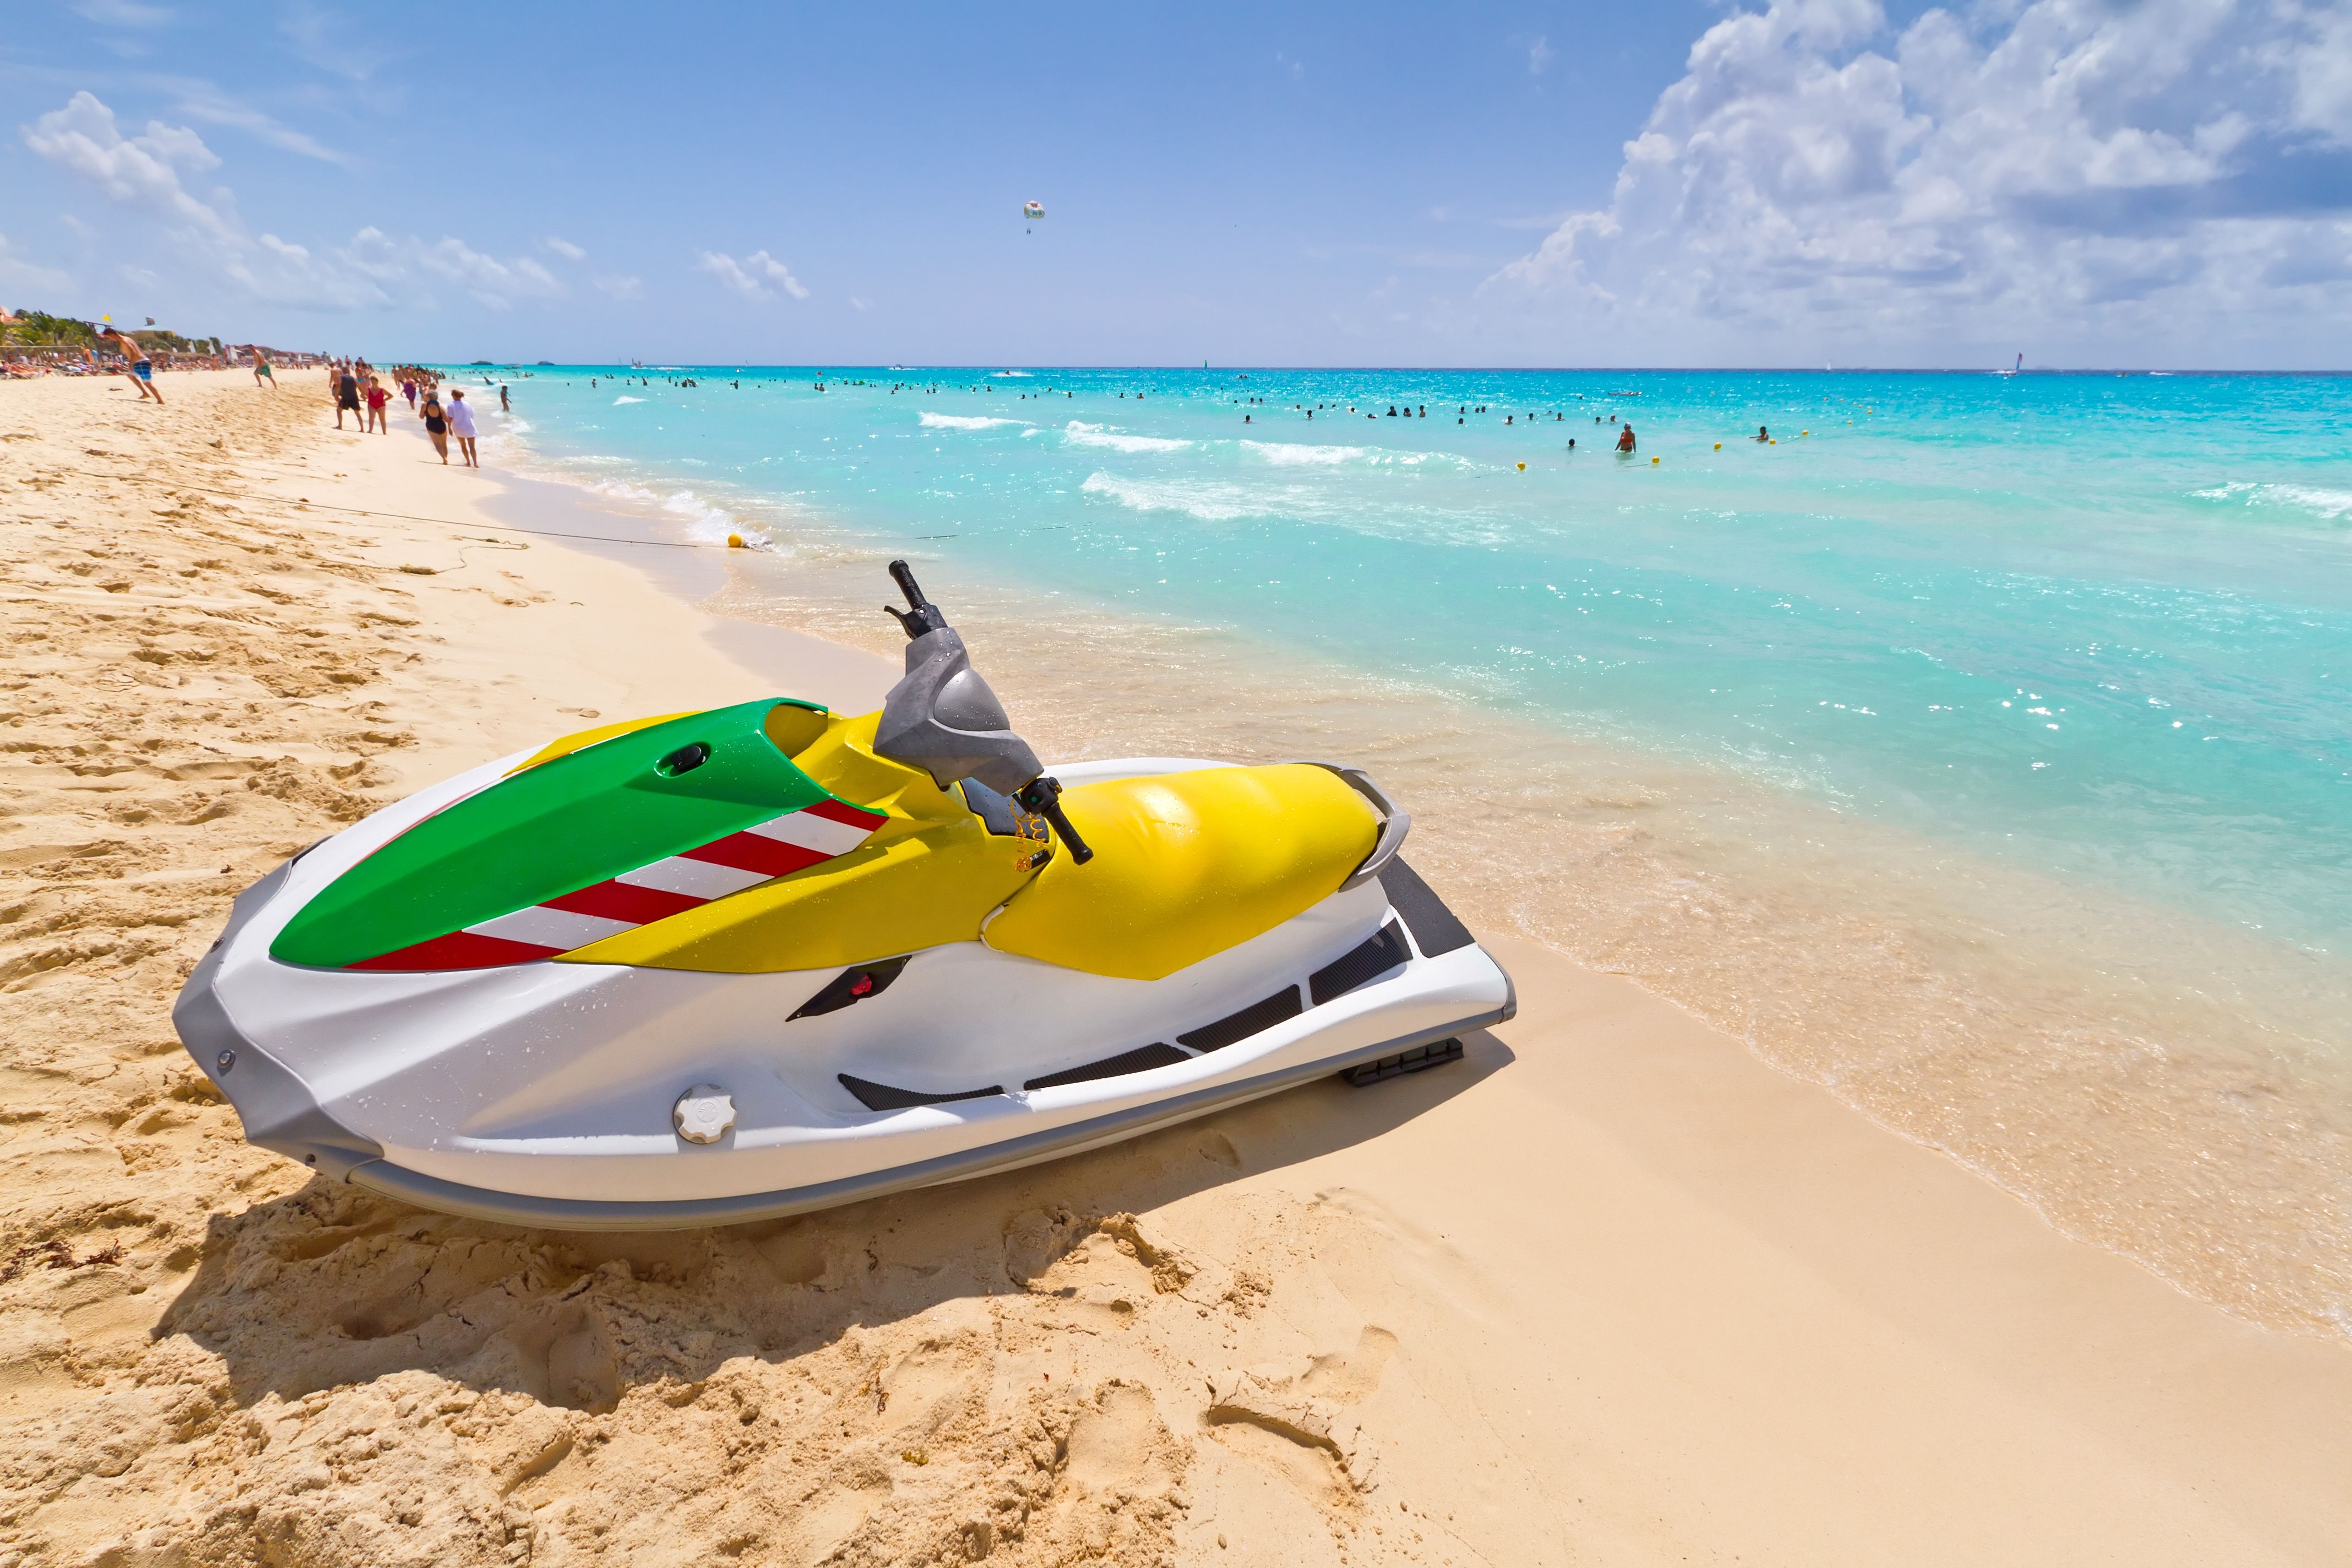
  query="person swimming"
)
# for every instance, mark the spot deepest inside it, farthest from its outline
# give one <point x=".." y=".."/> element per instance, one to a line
<point x="1763" y="434"/>
<point x="1626" y="439"/>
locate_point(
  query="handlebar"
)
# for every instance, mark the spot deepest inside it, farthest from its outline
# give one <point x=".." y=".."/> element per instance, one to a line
<point x="957" y="713"/>
<point x="926" y="616"/>
<point x="1043" y="795"/>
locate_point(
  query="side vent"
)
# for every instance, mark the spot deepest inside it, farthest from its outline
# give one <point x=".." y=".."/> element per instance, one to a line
<point x="853" y="985"/>
<point x="1251" y="1019"/>
<point x="1383" y="951"/>
<point x="883" y="1097"/>
<point x="1142" y="1059"/>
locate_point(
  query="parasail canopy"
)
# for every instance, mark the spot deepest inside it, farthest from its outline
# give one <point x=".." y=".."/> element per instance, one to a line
<point x="1032" y="210"/>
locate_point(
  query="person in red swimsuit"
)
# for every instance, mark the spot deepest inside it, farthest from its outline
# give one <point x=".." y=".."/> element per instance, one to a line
<point x="376" y="398"/>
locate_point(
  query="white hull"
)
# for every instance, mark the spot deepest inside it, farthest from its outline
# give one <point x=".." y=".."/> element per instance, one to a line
<point x="542" y="1094"/>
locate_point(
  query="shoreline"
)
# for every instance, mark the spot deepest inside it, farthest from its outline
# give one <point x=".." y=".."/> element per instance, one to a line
<point x="2157" y="1082"/>
<point x="1613" y="1290"/>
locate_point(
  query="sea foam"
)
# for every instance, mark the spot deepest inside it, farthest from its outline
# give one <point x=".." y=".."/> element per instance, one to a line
<point x="962" y="421"/>
<point x="1078" y="433"/>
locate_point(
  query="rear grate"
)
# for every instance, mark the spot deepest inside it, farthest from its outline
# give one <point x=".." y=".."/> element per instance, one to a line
<point x="1250" y="1020"/>
<point x="1383" y="951"/>
<point x="883" y="1097"/>
<point x="1141" y="1060"/>
<point x="1420" y="1058"/>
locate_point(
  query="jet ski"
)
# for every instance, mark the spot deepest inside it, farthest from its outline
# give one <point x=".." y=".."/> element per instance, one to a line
<point x="717" y="967"/>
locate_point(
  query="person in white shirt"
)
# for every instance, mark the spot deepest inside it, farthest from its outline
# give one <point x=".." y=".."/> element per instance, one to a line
<point x="461" y="425"/>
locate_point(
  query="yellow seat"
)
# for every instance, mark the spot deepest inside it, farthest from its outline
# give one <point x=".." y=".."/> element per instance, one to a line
<point x="1187" y="865"/>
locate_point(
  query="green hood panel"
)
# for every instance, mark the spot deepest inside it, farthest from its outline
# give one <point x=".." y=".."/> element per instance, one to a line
<point x="551" y="830"/>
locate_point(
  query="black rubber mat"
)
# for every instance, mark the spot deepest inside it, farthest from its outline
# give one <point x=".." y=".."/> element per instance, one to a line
<point x="1259" y="1015"/>
<point x="1141" y="1060"/>
<point x="883" y="1097"/>
<point x="1434" y="927"/>
<point x="1379" y="952"/>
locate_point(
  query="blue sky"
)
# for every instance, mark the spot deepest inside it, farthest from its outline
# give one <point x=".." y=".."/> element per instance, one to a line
<point x="1821" y="181"/>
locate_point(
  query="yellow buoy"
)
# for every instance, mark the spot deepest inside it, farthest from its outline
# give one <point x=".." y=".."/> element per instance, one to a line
<point x="1774" y="442"/>
<point x="1719" y="446"/>
<point x="1653" y="463"/>
<point x="734" y="541"/>
<point x="1804" y="432"/>
<point x="1523" y="468"/>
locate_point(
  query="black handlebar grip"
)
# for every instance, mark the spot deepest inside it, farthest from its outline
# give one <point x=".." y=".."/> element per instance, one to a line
<point x="1043" y="795"/>
<point x="905" y="577"/>
<point x="1079" y="853"/>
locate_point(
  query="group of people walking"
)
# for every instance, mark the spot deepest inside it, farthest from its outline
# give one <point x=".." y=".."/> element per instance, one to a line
<point x="358" y="389"/>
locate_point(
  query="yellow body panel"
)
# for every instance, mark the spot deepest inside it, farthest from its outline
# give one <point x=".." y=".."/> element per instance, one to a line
<point x="929" y="875"/>
<point x="1188" y="864"/>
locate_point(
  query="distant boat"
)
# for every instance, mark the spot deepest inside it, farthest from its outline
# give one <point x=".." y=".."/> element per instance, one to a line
<point x="481" y="361"/>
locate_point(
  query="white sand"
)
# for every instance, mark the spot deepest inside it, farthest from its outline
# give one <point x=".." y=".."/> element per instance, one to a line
<point x="1611" y="1291"/>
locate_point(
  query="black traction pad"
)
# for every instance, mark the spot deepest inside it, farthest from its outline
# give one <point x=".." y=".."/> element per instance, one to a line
<point x="1376" y="955"/>
<point x="1142" y="1059"/>
<point x="1420" y="1058"/>
<point x="883" y="1097"/>
<point x="1435" y="929"/>
<point x="1259" y="1015"/>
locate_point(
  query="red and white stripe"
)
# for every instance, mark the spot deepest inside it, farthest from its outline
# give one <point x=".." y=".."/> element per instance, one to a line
<point x="793" y="841"/>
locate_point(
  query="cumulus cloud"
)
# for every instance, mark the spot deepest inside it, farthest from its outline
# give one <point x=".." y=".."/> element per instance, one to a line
<point x="149" y="173"/>
<point x="621" y="287"/>
<point x="143" y="170"/>
<point x="414" y="268"/>
<point x="752" y="275"/>
<point x="2050" y="171"/>
<point x="564" y="248"/>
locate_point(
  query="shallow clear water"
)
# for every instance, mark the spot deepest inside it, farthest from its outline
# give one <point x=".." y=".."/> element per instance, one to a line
<point x="1980" y="747"/>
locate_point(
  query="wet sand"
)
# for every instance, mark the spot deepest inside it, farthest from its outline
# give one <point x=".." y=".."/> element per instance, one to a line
<point x="1612" y="1291"/>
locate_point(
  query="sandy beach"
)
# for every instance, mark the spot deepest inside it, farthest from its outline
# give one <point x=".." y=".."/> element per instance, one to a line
<point x="1612" y="1291"/>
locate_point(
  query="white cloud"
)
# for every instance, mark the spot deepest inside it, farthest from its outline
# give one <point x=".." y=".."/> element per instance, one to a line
<point x="412" y="269"/>
<point x="142" y="171"/>
<point x="318" y="35"/>
<point x="2149" y="181"/>
<point x="1538" y="56"/>
<point x="751" y="277"/>
<point x="204" y="235"/>
<point x="202" y="101"/>
<point x="564" y="248"/>
<point x="123" y="13"/>
<point x="621" y="287"/>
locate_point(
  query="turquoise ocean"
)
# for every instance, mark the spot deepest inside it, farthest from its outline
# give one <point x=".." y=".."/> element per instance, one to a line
<point x="1979" y="746"/>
